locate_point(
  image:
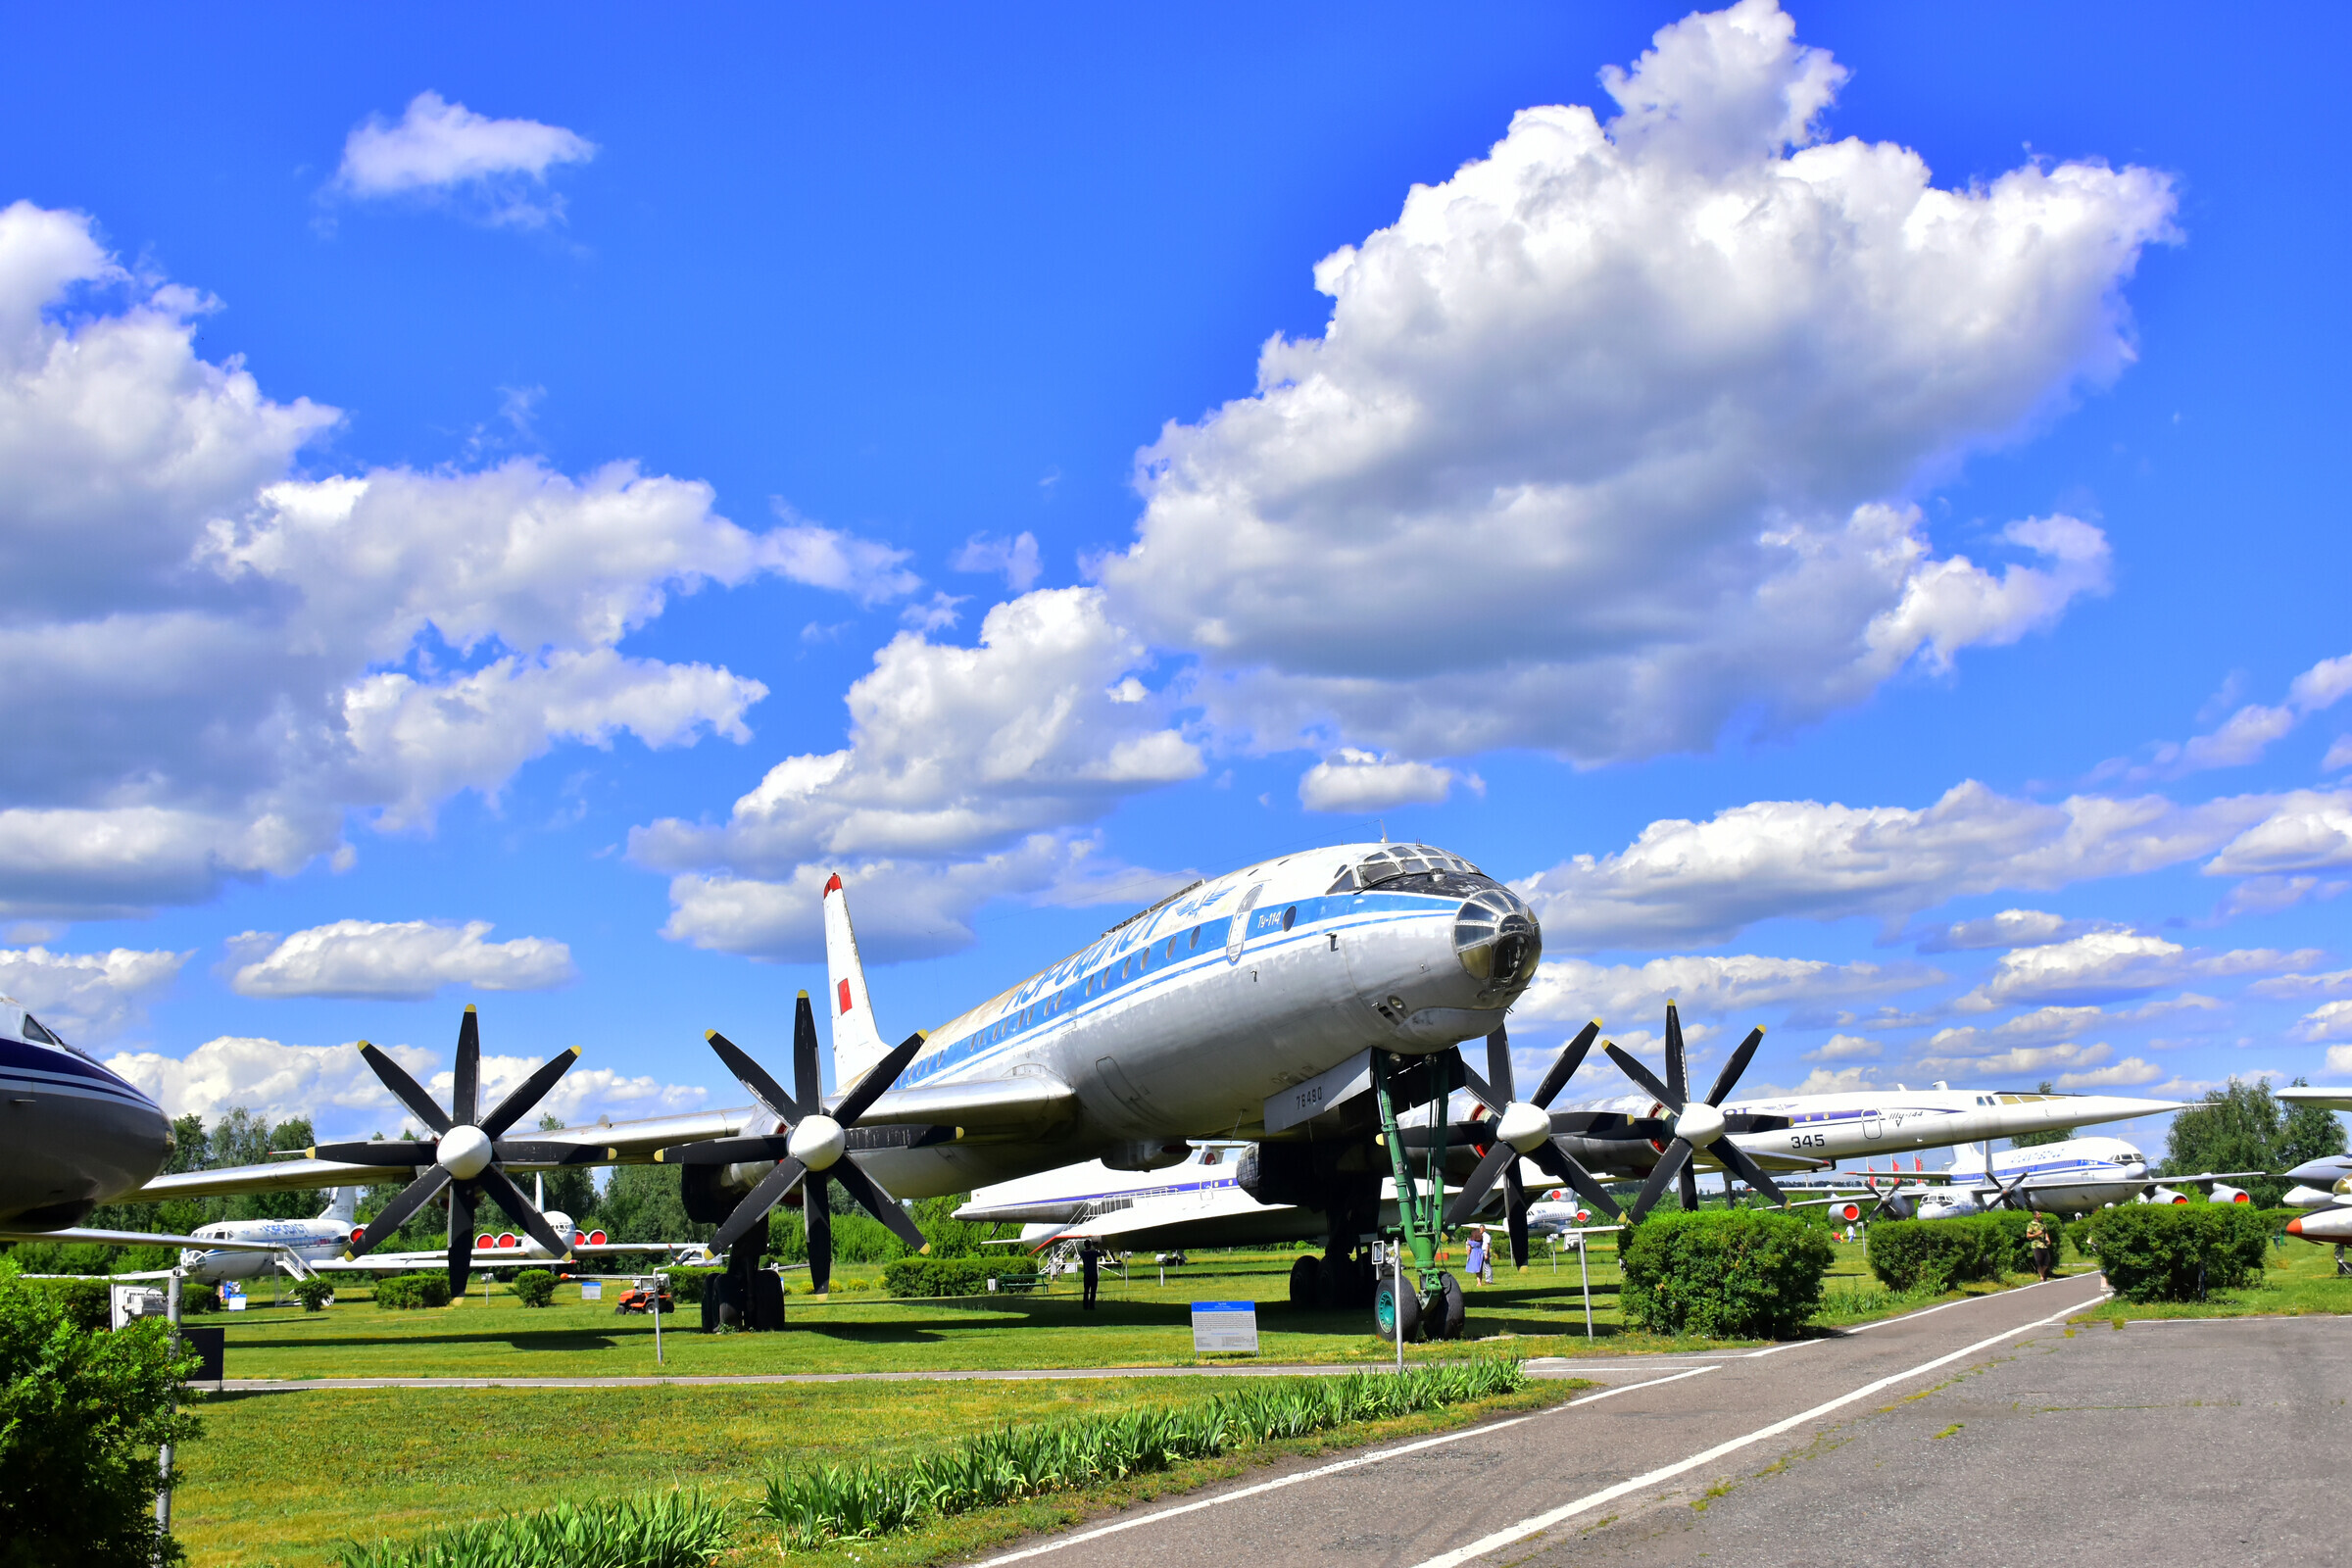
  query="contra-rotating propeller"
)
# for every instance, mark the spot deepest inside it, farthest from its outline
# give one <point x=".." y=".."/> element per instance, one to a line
<point x="467" y="1154"/>
<point x="812" y="1149"/>
<point x="1522" y="1130"/>
<point x="1698" y="1123"/>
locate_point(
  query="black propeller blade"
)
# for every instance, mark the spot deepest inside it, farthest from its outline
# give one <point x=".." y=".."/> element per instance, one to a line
<point x="812" y="1151"/>
<point x="1502" y="1159"/>
<point x="466" y="1157"/>
<point x="1701" y="1117"/>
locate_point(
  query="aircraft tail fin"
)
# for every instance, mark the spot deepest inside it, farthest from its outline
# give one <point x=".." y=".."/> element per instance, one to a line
<point x="342" y="1203"/>
<point x="857" y="1040"/>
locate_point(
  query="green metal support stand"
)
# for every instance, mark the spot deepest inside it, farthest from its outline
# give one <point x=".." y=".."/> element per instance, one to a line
<point x="1420" y="1204"/>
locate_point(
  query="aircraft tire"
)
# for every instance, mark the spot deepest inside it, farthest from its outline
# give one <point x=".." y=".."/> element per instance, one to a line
<point x="1305" y="1279"/>
<point x="1388" y="1303"/>
<point x="1447" y="1309"/>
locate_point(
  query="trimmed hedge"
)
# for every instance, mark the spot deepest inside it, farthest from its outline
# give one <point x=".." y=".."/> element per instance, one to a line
<point x="686" y="1285"/>
<point x="534" y="1286"/>
<point x="312" y="1290"/>
<point x="410" y="1291"/>
<point x="86" y="1304"/>
<point x="1936" y="1255"/>
<point x="952" y="1276"/>
<point x="1724" y="1273"/>
<point x="2177" y="1251"/>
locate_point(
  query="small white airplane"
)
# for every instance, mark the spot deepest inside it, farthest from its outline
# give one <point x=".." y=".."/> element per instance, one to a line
<point x="317" y="1246"/>
<point x="2070" y="1177"/>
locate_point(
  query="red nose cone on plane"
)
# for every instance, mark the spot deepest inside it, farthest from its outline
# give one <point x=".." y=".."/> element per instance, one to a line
<point x="2294" y="1226"/>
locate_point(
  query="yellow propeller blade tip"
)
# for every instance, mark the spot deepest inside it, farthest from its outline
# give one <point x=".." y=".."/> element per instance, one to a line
<point x="611" y="1154"/>
<point x="710" y="1033"/>
<point x="575" y="1050"/>
<point x="658" y="1157"/>
<point x="804" y="995"/>
<point x="469" y="1007"/>
<point x="359" y="1045"/>
<point x="922" y="1034"/>
<point x="926" y="1251"/>
<point x="311" y="1152"/>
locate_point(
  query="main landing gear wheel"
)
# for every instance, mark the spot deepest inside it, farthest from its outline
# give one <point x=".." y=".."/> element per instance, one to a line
<point x="1388" y="1304"/>
<point x="1304" y="1280"/>
<point x="1447" y="1309"/>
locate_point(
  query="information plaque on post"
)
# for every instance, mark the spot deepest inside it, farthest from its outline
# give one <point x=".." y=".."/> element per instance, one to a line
<point x="1225" y="1328"/>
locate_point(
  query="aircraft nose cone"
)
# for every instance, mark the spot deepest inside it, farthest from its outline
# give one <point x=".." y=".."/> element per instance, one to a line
<point x="464" y="1152"/>
<point x="818" y="1143"/>
<point x="1523" y="1126"/>
<point x="2294" y="1226"/>
<point x="1699" y="1124"/>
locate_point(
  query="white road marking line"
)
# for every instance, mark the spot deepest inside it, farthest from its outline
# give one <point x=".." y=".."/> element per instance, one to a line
<point x="1993" y="1295"/>
<point x="1591" y="1500"/>
<point x="1318" y="1473"/>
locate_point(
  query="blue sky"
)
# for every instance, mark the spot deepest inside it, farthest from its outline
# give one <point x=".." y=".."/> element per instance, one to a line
<point x="1829" y="487"/>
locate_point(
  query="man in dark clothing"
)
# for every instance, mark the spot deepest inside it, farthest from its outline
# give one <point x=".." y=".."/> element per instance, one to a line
<point x="1091" y="1261"/>
<point x="2038" y="1238"/>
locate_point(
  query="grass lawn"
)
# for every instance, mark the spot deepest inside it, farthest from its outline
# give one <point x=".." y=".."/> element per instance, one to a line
<point x="1140" y="1322"/>
<point x="2301" y="1279"/>
<point x="289" y="1478"/>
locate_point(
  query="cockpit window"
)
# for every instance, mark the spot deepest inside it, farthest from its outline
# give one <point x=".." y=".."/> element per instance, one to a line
<point x="34" y="1032"/>
<point x="1393" y="861"/>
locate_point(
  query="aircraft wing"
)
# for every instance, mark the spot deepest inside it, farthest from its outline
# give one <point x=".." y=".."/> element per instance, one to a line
<point x="2325" y="1099"/>
<point x="621" y="1143"/>
<point x="141" y="1239"/>
<point x="492" y="1258"/>
<point x="1004" y="1106"/>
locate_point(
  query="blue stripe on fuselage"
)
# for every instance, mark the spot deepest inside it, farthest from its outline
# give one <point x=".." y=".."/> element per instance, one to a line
<point x="1038" y="1006"/>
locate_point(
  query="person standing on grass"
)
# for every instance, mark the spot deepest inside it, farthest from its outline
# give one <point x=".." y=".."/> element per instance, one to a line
<point x="1091" y="1261"/>
<point x="2037" y="1237"/>
<point x="1476" y="1260"/>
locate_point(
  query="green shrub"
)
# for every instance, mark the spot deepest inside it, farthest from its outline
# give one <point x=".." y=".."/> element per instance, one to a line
<point x="86" y="1304"/>
<point x="412" y="1291"/>
<point x="197" y="1297"/>
<point x="312" y="1291"/>
<point x="686" y="1285"/>
<point x="2176" y="1253"/>
<point x="534" y="1286"/>
<point x="1932" y="1255"/>
<point x="668" y="1529"/>
<point x="80" y="1416"/>
<point x="817" y="1504"/>
<point x="1724" y="1273"/>
<point x="952" y="1276"/>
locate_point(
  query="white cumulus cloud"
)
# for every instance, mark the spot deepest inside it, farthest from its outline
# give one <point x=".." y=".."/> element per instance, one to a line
<point x="335" y="1089"/>
<point x="212" y="664"/>
<point x="2246" y="733"/>
<point x="1729" y="986"/>
<point x="88" y="997"/>
<point x="1654" y="394"/>
<point x="1353" y="780"/>
<point x="394" y="960"/>
<point x="2100" y="965"/>
<point x="1701" y="882"/>
<point x="967" y="767"/>
<point x="2011" y="928"/>
<point x="1015" y="560"/>
<point x="438" y="146"/>
<point x="2330" y="1020"/>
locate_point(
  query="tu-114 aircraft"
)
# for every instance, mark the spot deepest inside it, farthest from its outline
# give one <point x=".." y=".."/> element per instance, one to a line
<point x="1178" y="1023"/>
<point x="1306" y="1004"/>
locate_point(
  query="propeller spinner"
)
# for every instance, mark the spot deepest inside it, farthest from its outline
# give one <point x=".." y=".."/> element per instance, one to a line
<point x="812" y="1152"/>
<point x="467" y="1155"/>
<point x="1522" y="1130"/>
<point x="1698" y="1123"/>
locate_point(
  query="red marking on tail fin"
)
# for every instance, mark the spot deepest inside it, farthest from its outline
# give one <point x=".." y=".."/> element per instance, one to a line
<point x="833" y="884"/>
<point x="845" y="996"/>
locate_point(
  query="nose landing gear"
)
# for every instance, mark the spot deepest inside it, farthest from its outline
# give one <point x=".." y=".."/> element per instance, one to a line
<point x="1412" y="1292"/>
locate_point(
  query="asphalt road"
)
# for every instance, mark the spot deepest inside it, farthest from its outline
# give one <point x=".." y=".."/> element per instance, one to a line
<point x="1983" y="1433"/>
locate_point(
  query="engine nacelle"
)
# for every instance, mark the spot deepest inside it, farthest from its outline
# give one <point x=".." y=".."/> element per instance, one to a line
<point x="2223" y="1193"/>
<point x="1147" y="1153"/>
<point x="1846" y="1211"/>
<point x="2306" y="1198"/>
<point x="2164" y="1195"/>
